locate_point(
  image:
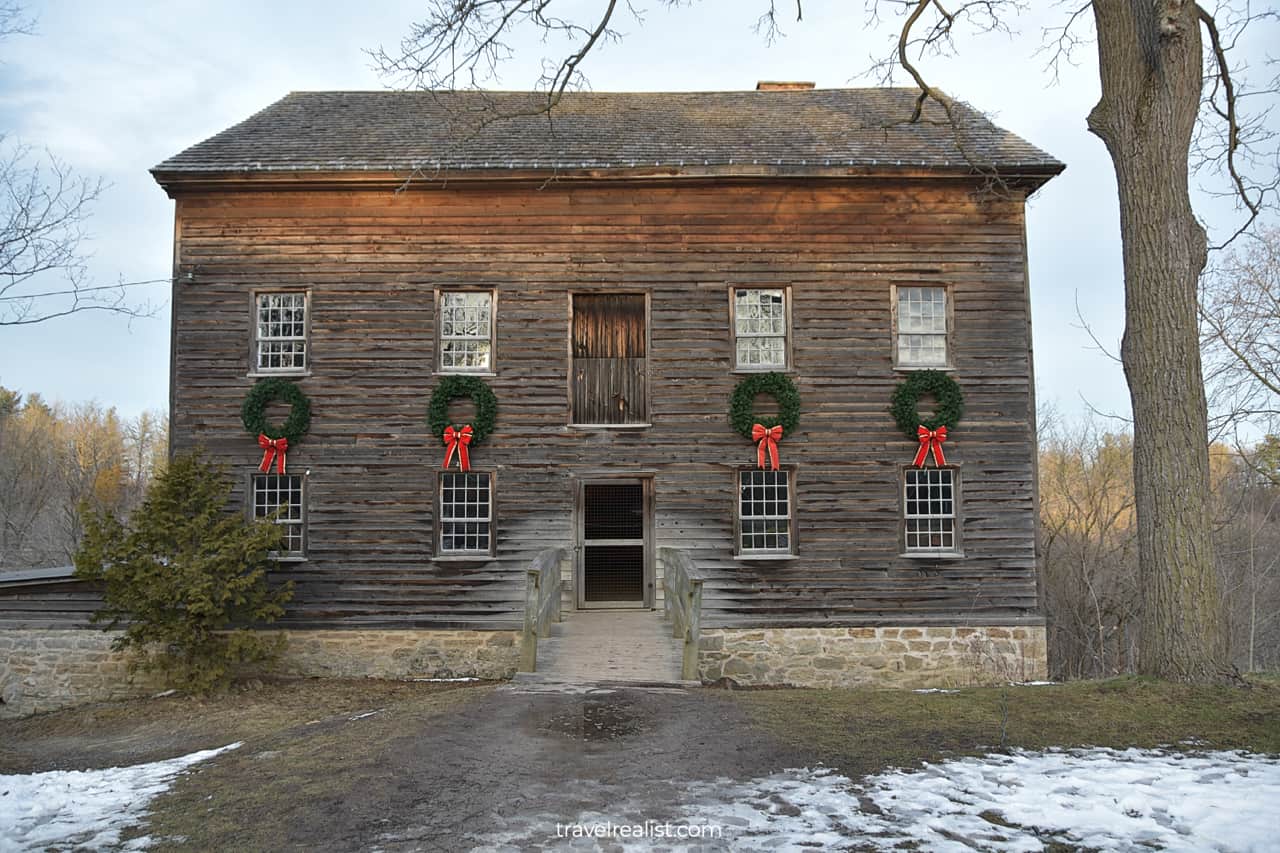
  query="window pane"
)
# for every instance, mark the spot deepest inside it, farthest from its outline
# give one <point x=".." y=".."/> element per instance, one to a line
<point x="465" y="330"/>
<point x="465" y="512"/>
<point x="929" y="509"/>
<point x="282" y="331"/>
<point x="763" y="511"/>
<point x="922" y="326"/>
<point x="760" y="327"/>
<point x="281" y="496"/>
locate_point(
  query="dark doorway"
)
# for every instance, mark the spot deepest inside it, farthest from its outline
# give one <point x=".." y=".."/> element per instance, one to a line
<point x="613" y="544"/>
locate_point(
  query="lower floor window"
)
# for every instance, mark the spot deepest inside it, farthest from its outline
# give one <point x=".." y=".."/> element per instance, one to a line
<point x="279" y="497"/>
<point x="929" y="508"/>
<point x="466" y="513"/>
<point x="764" y="512"/>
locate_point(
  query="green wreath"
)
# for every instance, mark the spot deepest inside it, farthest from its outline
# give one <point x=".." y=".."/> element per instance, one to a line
<point x="907" y="396"/>
<point x="453" y="387"/>
<point x="254" y="410"/>
<point x="777" y="385"/>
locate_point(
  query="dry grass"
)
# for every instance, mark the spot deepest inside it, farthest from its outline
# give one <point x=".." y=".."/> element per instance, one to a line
<point x="864" y="731"/>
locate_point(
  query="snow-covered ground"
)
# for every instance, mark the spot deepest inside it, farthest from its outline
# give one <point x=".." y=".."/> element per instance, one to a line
<point x="1095" y="799"/>
<point x="1100" y="799"/>
<point x="83" y="809"/>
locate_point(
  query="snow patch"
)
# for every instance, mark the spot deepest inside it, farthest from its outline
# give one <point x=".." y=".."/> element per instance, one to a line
<point x="84" y="809"/>
<point x="1099" y="799"/>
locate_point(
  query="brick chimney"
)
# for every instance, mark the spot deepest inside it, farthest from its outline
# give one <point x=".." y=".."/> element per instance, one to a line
<point x="781" y="86"/>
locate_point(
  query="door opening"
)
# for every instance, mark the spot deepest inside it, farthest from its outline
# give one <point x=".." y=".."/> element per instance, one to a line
<point x="613" y="540"/>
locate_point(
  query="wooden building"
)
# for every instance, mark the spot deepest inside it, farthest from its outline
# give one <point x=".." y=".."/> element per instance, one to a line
<point x="612" y="272"/>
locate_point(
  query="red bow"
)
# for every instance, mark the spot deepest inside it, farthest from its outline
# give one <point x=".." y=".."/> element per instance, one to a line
<point x="768" y="438"/>
<point x="457" y="440"/>
<point x="275" y="448"/>
<point x="930" y="440"/>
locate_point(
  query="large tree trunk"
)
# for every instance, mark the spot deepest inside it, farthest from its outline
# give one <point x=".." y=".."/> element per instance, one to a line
<point x="1151" y="67"/>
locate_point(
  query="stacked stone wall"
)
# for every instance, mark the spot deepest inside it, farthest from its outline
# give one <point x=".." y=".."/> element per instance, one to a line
<point x="43" y="670"/>
<point x="892" y="657"/>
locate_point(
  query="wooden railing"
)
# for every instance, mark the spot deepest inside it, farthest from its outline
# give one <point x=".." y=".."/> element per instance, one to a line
<point x="682" y="604"/>
<point x="541" y="603"/>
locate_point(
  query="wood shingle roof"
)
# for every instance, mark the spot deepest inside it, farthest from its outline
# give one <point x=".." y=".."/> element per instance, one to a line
<point x="714" y="132"/>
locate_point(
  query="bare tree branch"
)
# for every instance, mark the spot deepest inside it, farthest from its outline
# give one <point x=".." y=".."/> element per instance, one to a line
<point x="1061" y="43"/>
<point x="44" y="205"/>
<point x="14" y="20"/>
<point x="1226" y="139"/>
<point x="1240" y="335"/>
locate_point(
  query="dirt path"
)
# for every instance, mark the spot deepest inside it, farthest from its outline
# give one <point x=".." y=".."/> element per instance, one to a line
<point x="487" y="768"/>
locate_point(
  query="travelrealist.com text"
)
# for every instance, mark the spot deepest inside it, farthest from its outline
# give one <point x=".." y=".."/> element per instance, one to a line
<point x="648" y="829"/>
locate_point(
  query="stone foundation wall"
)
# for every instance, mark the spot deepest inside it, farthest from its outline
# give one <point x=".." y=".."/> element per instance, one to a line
<point x="890" y="657"/>
<point x="401" y="654"/>
<point x="43" y="670"/>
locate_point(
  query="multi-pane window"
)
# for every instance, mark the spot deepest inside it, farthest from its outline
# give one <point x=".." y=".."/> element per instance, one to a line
<point x="281" y="332"/>
<point x="466" y="331"/>
<point x="279" y="497"/>
<point x="764" y="512"/>
<point x="760" y="328"/>
<point x="922" y="326"/>
<point x="466" y="513"/>
<point x="929" y="508"/>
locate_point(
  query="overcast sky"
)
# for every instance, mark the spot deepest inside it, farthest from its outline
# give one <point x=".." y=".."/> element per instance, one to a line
<point x="114" y="88"/>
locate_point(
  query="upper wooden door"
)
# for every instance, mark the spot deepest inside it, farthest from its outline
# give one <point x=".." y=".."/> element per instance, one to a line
<point x="608" y="378"/>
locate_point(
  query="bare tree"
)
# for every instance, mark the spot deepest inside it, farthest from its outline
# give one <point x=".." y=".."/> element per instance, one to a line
<point x="1247" y="548"/>
<point x="1151" y="59"/>
<point x="1240" y="313"/>
<point x="44" y="205"/>
<point x="1089" y="548"/>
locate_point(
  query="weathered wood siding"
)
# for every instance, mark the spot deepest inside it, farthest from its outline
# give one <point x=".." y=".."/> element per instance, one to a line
<point x="52" y="602"/>
<point x="372" y="258"/>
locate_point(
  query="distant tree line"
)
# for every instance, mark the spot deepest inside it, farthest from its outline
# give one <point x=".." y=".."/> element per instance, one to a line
<point x="1088" y="540"/>
<point x="56" y="458"/>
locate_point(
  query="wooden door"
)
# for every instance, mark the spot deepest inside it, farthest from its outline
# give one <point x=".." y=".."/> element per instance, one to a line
<point x="608" y="378"/>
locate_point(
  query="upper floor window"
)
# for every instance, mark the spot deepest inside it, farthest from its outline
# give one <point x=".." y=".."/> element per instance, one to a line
<point x="465" y="331"/>
<point x="922" y="327"/>
<point x="764" y="512"/>
<point x="279" y="497"/>
<point x="280" y="332"/>
<point x="760" y="328"/>
<point x="929" y="510"/>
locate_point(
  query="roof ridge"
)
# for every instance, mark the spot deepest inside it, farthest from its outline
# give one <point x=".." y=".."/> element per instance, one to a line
<point x="752" y="92"/>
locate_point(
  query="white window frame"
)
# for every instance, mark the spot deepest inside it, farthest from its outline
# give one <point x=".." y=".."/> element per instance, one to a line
<point x="258" y="339"/>
<point x="442" y="520"/>
<point x="735" y="334"/>
<point x="491" y="339"/>
<point x="259" y="510"/>
<point x="788" y="478"/>
<point x="901" y="363"/>
<point x="954" y="549"/>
